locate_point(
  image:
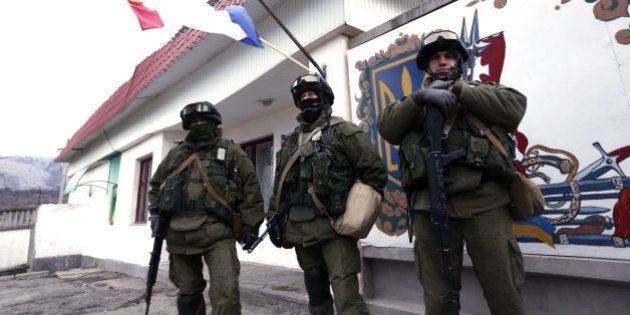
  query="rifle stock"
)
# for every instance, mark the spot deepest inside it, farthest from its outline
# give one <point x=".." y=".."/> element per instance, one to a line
<point x="154" y="262"/>
<point x="436" y="161"/>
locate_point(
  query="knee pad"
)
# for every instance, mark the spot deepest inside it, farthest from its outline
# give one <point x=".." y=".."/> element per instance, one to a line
<point x="192" y="304"/>
<point x="317" y="285"/>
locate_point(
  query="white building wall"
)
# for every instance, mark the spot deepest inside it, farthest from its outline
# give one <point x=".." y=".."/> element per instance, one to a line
<point x="333" y="55"/>
<point x="13" y="248"/>
<point x="63" y="230"/>
<point x="570" y="67"/>
<point x="367" y="14"/>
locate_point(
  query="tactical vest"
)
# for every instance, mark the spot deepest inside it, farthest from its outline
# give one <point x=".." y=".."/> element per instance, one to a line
<point x="482" y="160"/>
<point x="321" y="167"/>
<point x="218" y="163"/>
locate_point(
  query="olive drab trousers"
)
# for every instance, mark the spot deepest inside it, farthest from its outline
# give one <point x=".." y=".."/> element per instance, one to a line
<point x="495" y="254"/>
<point x="341" y="258"/>
<point x="186" y="272"/>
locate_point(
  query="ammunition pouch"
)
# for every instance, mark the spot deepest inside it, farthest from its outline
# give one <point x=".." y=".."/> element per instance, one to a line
<point x="482" y="159"/>
<point x="337" y="201"/>
<point x="302" y="213"/>
<point x="171" y="195"/>
<point x="321" y="169"/>
<point x="481" y="154"/>
<point x="187" y="222"/>
<point x="206" y="203"/>
<point x="412" y="153"/>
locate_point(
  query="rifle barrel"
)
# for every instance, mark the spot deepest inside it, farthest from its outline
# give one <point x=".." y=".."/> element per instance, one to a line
<point x="154" y="262"/>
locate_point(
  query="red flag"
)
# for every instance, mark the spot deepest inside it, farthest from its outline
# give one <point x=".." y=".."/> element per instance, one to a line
<point x="148" y="18"/>
<point x="222" y="4"/>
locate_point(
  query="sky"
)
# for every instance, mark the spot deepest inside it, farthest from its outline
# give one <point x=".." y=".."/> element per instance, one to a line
<point x="60" y="61"/>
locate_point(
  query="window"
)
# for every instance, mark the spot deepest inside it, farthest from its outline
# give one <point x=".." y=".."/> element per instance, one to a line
<point x="143" y="189"/>
<point x="261" y="154"/>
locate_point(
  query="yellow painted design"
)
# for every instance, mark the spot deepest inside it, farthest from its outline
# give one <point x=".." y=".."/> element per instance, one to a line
<point x="518" y="229"/>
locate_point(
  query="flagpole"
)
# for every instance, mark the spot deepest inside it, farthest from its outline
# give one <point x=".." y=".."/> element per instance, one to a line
<point x="286" y="30"/>
<point x="286" y="55"/>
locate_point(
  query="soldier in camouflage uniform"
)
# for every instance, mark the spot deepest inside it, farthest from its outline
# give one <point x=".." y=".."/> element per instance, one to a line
<point x="200" y="228"/>
<point x="477" y="197"/>
<point x="331" y="159"/>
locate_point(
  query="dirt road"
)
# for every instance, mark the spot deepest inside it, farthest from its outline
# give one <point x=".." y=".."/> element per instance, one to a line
<point x="95" y="291"/>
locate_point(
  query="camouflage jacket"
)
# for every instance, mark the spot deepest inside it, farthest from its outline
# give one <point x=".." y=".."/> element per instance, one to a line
<point x="479" y="180"/>
<point x="329" y="164"/>
<point x="202" y="221"/>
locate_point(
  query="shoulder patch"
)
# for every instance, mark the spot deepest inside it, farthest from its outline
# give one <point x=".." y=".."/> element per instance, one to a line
<point x="347" y="128"/>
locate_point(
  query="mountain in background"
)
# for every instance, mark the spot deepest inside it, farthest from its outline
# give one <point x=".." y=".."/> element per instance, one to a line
<point x="27" y="181"/>
<point x="28" y="173"/>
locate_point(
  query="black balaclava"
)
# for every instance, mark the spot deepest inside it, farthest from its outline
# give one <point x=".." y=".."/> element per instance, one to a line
<point x="311" y="109"/>
<point x="204" y="132"/>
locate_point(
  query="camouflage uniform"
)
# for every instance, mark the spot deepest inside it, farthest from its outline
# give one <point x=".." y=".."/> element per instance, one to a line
<point x="202" y="228"/>
<point x="477" y="197"/>
<point x="329" y="163"/>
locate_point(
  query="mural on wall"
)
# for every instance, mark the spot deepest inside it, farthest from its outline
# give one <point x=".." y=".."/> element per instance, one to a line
<point x="603" y="10"/>
<point x="578" y="202"/>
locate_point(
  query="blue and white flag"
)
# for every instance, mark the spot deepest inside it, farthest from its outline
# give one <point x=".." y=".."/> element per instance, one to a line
<point x="234" y="21"/>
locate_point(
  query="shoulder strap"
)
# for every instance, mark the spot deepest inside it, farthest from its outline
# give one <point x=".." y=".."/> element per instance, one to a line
<point x="488" y="133"/>
<point x="296" y="154"/>
<point x="182" y="166"/>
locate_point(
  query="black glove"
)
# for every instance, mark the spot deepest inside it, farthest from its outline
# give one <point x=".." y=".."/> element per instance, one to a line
<point x="437" y="95"/>
<point x="248" y="237"/>
<point x="275" y="235"/>
<point x="154" y="219"/>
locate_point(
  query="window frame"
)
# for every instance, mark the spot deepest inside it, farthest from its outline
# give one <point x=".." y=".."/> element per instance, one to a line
<point x="145" y="165"/>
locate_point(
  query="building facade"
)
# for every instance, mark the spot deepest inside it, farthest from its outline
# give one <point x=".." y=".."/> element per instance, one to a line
<point x="572" y="61"/>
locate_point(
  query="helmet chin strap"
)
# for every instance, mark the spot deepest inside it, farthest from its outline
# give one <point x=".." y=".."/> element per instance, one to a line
<point x="452" y="74"/>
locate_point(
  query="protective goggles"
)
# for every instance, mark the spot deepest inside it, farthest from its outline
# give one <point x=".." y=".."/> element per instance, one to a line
<point x="435" y="36"/>
<point x="309" y="78"/>
<point x="195" y="108"/>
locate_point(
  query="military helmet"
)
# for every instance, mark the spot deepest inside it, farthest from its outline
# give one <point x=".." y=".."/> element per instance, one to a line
<point x="315" y="83"/>
<point x="441" y="40"/>
<point x="203" y="109"/>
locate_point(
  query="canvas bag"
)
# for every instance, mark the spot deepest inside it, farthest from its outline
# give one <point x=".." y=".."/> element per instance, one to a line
<point x="362" y="209"/>
<point x="527" y="199"/>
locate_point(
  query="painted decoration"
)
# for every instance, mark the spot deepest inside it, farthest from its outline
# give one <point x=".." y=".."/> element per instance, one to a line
<point x="587" y="200"/>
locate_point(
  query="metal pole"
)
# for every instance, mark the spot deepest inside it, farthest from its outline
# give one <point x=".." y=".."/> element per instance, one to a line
<point x="286" y="30"/>
<point x="285" y="54"/>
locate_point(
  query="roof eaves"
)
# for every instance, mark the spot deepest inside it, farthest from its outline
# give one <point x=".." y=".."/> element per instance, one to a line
<point x="144" y="74"/>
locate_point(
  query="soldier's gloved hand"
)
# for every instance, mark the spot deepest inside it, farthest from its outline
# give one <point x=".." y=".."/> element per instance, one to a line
<point x="275" y="235"/>
<point x="154" y="221"/>
<point x="248" y="237"/>
<point x="437" y="95"/>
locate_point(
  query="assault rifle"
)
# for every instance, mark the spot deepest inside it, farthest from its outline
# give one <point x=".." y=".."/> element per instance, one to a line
<point x="160" y="234"/>
<point x="271" y="223"/>
<point x="436" y="161"/>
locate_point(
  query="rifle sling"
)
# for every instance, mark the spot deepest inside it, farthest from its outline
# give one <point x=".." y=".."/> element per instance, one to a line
<point x="181" y="167"/>
<point x="237" y="223"/>
<point x="488" y="133"/>
<point x="211" y="191"/>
